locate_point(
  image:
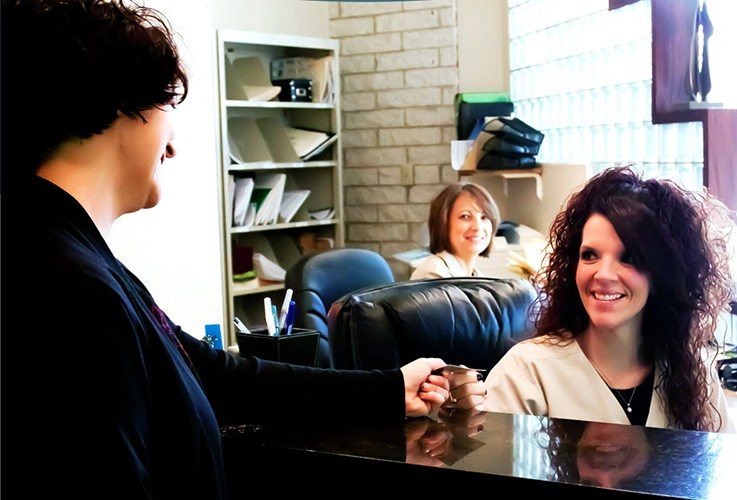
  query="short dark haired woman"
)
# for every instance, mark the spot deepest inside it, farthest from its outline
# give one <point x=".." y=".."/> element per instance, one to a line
<point x="463" y="220"/>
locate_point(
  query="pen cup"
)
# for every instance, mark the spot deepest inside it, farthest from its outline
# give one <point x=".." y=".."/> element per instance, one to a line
<point x="299" y="348"/>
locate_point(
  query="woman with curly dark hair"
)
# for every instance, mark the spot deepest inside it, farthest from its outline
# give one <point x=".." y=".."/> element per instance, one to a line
<point x="636" y="278"/>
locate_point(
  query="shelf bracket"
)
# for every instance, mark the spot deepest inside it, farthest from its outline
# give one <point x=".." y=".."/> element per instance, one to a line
<point x="506" y="176"/>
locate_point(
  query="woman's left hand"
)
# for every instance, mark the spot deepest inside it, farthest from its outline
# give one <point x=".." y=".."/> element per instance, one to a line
<point x="466" y="390"/>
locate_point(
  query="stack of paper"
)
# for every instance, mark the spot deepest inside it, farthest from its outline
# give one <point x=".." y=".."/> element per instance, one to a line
<point x="458" y="152"/>
<point x="267" y="140"/>
<point x="266" y="269"/>
<point x="308" y="143"/>
<point x="324" y="214"/>
<point x="267" y="194"/>
<point x="290" y="203"/>
<point x="242" y="191"/>
<point x="322" y="147"/>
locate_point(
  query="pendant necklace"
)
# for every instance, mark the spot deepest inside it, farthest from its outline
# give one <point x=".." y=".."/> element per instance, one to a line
<point x="628" y="404"/>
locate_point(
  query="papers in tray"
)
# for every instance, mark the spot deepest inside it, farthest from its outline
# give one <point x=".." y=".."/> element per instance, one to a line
<point x="322" y="147"/>
<point x="324" y="214"/>
<point x="267" y="195"/>
<point x="267" y="140"/>
<point x="290" y="203"/>
<point x="261" y="93"/>
<point x="266" y="269"/>
<point x="308" y="143"/>
<point x="242" y="191"/>
<point x="263" y="200"/>
<point x="458" y="152"/>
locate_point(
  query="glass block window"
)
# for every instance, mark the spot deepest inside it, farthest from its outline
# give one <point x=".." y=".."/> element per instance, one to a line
<point x="530" y="443"/>
<point x="583" y="75"/>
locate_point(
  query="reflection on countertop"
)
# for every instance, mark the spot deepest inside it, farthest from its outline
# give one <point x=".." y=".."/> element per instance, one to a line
<point x="529" y="452"/>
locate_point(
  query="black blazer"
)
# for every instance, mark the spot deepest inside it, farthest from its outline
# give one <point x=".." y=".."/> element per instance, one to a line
<point x="112" y="399"/>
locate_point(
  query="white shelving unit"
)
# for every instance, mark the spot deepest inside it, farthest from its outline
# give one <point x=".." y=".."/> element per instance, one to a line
<point x="322" y="176"/>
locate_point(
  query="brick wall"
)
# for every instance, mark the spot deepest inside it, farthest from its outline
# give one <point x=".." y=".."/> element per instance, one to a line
<point x="399" y="71"/>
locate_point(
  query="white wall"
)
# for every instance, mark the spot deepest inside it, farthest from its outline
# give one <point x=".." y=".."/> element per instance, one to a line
<point x="483" y="46"/>
<point x="175" y="247"/>
<point x="290" y="17"/>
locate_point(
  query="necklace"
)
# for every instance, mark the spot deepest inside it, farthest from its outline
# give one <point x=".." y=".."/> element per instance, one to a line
<point x="626" y="403"/>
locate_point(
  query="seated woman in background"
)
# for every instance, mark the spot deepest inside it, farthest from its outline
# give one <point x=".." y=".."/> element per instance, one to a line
<point x="463" y="220"/>
<point x="629" y="302"/>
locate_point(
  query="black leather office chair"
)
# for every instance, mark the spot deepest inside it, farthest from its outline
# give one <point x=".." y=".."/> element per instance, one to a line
<point x="470" y="321"/>
<point x="319" y="279"/>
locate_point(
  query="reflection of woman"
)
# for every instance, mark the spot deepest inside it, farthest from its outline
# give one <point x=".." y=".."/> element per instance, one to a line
<point x="463" y="220"/>
<point x="595" y="453"/>
<point x="631" y="457"/>
<point x="637" y="277"/>
<point x="609" y="454"/>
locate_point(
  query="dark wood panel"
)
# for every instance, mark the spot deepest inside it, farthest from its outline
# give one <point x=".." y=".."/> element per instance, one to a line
<point x="615" y="4"/>
<point x="720" y="154"/>
<point x="672" y="25"/>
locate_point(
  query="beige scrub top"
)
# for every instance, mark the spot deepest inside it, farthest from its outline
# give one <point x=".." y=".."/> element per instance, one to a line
<point x="441" y="265"/>
<point x="549" y="377"/>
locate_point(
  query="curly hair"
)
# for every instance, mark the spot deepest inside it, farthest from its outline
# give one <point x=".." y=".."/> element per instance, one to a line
<point x="624" y="456"/>
<point x="71" y="67"/>
<point x="678" y="238"/>
<point x="644" y="452"/>
<point x="439" y="219"/>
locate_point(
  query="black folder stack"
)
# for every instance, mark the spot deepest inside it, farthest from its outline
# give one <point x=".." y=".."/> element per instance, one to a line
<point x="509" y="143"/>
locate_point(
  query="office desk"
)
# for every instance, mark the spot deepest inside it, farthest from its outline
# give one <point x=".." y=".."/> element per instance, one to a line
<point x="482" y="453"/>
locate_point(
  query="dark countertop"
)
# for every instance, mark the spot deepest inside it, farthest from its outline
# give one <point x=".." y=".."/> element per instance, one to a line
<point x="531" y="454"/>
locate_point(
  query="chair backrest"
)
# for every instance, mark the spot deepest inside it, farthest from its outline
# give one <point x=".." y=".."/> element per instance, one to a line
<point x="319" y="279"/>
<point x="470" y="321"/>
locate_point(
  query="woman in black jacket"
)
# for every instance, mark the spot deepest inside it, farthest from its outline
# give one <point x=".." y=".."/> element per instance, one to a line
<point x="119" y="401"/>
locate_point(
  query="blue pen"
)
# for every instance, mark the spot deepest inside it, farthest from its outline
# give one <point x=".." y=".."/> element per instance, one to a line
<point x="275" y="315"/>
<point x="290" y="316"/>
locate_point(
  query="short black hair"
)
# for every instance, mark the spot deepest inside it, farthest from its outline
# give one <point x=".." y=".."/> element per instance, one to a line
<point x="71" y="67"/>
